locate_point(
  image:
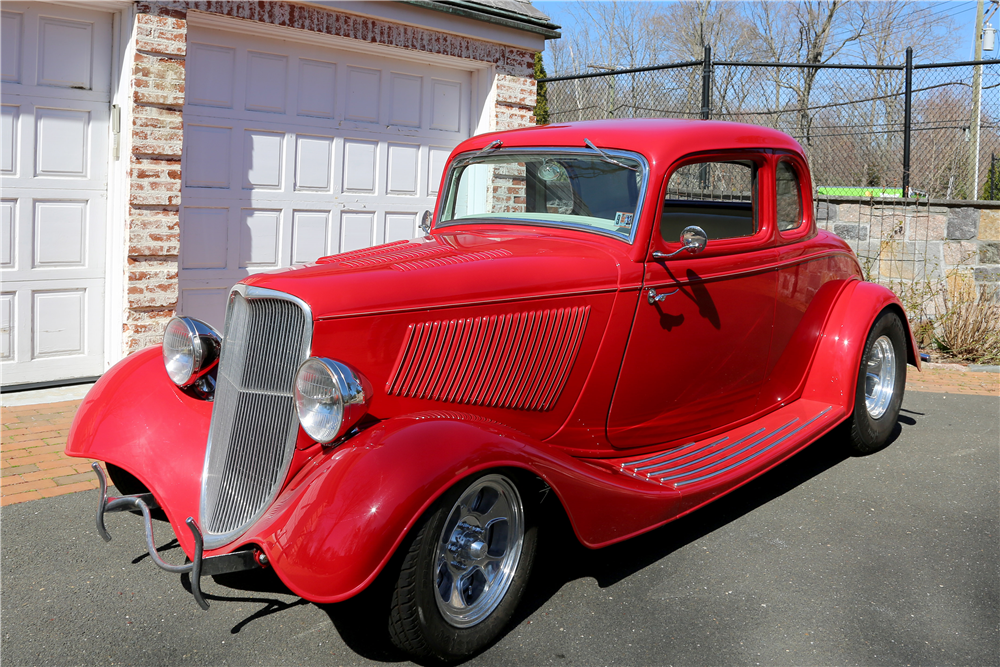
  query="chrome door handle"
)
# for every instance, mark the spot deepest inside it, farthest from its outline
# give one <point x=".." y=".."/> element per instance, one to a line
<point x="653" y="297"/>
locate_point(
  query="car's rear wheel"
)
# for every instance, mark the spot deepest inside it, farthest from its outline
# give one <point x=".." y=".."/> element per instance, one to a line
<point x="880" y="384"/>
<point x="465" y="570"/>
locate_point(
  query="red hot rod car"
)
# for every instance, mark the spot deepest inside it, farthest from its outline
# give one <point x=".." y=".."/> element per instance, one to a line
<point x="638" y="316"/>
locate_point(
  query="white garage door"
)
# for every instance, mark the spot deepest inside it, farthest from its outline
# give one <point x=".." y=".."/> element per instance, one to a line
<point x="293" y="151"/>
<point x="56" y="66"/>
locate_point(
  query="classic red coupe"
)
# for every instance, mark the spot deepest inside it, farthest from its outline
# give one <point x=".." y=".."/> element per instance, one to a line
<point x="628" y="318"/>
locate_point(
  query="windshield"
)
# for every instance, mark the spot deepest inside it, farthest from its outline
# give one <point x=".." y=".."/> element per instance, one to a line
<point x="556" y="187"/>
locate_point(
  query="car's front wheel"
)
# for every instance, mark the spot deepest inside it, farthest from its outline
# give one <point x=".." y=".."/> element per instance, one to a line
<point x="465" y="570"/>
<point x="880" y="384"/>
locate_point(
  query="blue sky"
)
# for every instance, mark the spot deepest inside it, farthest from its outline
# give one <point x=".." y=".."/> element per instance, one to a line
<point x="962" y="12"/>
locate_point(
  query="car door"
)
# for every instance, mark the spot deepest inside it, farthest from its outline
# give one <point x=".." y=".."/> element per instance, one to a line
<point x="697" y="352"/>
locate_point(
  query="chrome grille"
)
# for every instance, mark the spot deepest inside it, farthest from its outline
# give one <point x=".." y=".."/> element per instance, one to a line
<point x="254" y="425"/>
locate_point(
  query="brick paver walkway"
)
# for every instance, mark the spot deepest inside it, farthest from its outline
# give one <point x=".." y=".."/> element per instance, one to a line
<point x="32" y="463"/>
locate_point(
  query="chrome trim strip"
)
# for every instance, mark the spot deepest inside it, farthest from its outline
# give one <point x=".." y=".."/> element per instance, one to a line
<point x="734" y="454"/>
<point x="215" y="540"/>
<point x="661" y="454"/>
<point x="708" y="456"/>
<point x="753" y="456"/>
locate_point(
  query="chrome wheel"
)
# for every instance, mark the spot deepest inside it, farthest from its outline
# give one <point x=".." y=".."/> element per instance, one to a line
<point x="478" y="551"/>
<point x="880" y="377"/>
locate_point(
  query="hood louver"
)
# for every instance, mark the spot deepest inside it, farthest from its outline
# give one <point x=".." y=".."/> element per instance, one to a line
<point x="516" y="360"/>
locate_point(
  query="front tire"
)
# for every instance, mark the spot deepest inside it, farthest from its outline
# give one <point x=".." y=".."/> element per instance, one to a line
<point x="880" y="385"/>
<point x="465" y="570"/>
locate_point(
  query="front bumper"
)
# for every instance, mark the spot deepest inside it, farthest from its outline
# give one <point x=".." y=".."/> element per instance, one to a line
<point x="236" y="561"/>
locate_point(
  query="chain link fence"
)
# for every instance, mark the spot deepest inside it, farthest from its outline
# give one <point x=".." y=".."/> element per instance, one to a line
<point x="871" y="133"/>
<point x="865" y="129"/>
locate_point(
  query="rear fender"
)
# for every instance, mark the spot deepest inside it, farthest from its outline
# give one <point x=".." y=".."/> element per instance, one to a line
<point x="338" y="522"/>
<point x="834" y="372"/>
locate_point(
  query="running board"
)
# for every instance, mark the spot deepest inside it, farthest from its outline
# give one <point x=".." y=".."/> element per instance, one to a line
<point x="750" y="446"/>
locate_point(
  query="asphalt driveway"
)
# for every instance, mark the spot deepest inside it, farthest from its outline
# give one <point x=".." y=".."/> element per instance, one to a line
<point x="891" y="559"/>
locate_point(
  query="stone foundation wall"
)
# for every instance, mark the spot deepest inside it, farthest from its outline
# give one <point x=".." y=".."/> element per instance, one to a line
<point x="957" y="242"/>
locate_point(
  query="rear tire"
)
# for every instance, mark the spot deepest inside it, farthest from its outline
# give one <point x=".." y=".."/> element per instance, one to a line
<point x="465" y="570"/>
<point x="880" y="384"/>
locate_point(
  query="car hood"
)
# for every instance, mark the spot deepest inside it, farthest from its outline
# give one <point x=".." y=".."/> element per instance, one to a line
<point x="451" y="268"/>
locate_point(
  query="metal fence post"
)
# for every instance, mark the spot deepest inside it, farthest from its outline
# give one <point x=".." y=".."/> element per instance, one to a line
<point x="907" y="107"/>
<point x="706" y="85"/>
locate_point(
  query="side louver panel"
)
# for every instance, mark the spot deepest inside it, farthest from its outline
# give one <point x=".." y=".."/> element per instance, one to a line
<point x="254" y="425"/>
<point x="516" y="360"/>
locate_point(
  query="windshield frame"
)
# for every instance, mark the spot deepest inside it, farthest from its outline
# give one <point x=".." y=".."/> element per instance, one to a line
<point x="462" y="159"/>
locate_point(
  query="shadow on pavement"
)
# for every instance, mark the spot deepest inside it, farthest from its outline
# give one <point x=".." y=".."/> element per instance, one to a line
<point x="361" y="621"/>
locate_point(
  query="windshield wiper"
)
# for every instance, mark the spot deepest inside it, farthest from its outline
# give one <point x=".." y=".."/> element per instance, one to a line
<point x="493" y="145"/>
<point x="608" y="158"/>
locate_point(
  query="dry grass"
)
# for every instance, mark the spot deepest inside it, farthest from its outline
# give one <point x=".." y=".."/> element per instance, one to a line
<point x="969" y="328"/>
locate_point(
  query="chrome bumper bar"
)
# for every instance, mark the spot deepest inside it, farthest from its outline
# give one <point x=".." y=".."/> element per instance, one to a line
<point x="237" y="561"/>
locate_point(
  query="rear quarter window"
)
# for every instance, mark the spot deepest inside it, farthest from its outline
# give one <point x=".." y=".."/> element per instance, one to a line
<point x="788" y="198"/>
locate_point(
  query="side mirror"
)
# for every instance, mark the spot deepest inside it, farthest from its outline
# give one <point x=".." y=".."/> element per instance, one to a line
<point x="427" y="218"/>
<point x="693" y="240"/>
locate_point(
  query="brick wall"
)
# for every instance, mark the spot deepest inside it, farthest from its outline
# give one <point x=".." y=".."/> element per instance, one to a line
<point x="515" y="98"/>
<point x="158" y="127"/>
<point x="154" y="177"/>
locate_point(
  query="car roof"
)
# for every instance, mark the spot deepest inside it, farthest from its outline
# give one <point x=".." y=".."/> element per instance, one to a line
<point x="657" y="138"/>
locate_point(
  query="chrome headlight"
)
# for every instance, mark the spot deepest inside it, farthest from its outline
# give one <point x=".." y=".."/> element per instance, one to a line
<point x="330" y="398"/>
<point x="190" y="349"/>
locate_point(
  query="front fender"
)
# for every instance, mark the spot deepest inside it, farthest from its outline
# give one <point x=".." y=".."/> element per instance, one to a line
<point x="136" y="418"/>
<point x="339" y="521"/>
<point x="834" y="372"/>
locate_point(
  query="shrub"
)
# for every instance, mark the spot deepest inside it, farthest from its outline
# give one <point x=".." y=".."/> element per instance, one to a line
<point x="969" y="327"/>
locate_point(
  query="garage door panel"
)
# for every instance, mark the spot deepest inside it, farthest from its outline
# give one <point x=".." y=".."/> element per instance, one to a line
<point x="446" y="105"/>
<point x="437" y="158"/>
<point x="62" y="145"/>
<point x="206" y="156"/>
<point x="399" y="227"/>
<point x="363" y="94"/>
<point x="357" y="230"/>
<point x="313" y="163"/>
<point x="60" y="234"/>
<point x="8" y="238"/>
<point x="7" y="329"/>
<point x="266" y="82"/>
<point x="404" y="90"/>
<point x="10" y="46"/>
<point x="317" y="85"/>
<point x="9" y="115"/>
<point x="402" y="168"/>
<point x="207" y="304"/>
<point x="59" y="323"/>
<point x="262" y="159"/>
<point x="205" y="238"/>
<point x="260" y="238"/>
<point x="359" y="166"/>
<point x="64" y="53"/>
<point x="336" y="150"/>
<point x="51" y="331"/>
<point x="53" y="217"/>
<point x="211" y="82"/>
<point x="310" y="235"/>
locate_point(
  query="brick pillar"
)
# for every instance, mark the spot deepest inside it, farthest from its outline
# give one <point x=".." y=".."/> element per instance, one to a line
<point x="515" y="91"/>
<point x="154" y="174"/>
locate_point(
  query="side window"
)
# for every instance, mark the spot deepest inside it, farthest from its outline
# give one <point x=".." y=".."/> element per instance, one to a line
<point x="719" y="197"/>
<point x="789" y="197"/>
